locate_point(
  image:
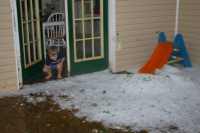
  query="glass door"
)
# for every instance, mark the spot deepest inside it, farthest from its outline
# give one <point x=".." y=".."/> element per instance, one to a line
<point x="89" y="39"/>
<point x="30" y="36"/>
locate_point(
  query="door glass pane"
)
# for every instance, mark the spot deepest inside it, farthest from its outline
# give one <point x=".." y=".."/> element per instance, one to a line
<point x="29" y="9"/>
<point x="78" y="8"/>
<point x="32" y="52"/>
<point x="79" y="29"/>
<point x="36" y="31"/>
<point x="88" y="48"/>
<point x="24" y="33"/>
<point x="97" y="47"/>
<point x="88" y="29"/>
<point x="79" y="50"/>
<point x="23" y="10"/>
<point x="26" y="55"/>
<point x="87" y="8"/>
<point x="96" y="8"/>
<point x="97" y="28"/>
<point x="30" y="31"/>
<point x="34" y="9"/>
<point x="36" y="50"/>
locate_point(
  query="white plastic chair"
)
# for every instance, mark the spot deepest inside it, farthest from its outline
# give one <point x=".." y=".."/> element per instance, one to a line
<point x="54" y="31"/>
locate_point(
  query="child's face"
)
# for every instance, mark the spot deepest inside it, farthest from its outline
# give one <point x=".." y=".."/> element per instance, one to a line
<point x="53" y="54"/>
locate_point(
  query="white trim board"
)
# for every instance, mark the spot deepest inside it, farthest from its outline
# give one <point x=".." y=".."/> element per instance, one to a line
<point x="177" y="17"/>
<point x="112" y="35"/>
<point x="16" y="42"/>
<point x="67" y="37"/>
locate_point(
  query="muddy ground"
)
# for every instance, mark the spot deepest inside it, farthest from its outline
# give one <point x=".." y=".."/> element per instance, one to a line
<point x="19" y="116"/>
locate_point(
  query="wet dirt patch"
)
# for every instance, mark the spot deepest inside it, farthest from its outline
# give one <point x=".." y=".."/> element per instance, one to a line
<point x="19" y="116"/>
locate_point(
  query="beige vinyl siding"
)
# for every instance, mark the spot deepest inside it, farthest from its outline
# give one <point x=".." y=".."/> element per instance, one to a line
<point x="138" y="22"/>
<point x="189" y="25"/>
<point x="8" y="78"/>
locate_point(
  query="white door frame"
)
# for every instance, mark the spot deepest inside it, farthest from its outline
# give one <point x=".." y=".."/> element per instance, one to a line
<point x="112" y="35"/>
<point x="67" y="37"/>
<point x="16" y="42"/>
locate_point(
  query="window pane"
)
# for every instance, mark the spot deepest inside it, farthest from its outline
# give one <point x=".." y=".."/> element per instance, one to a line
<point x="79" y="29"/>
<point x="78" y="8"/>
<point x="87" y="8"/>
<point x="26" y="55"/>
<point x="29" y="9"/>
<point x="88" y="29"/>
<point x="79" y="50"/>
<point x="30" y="31"/>
<point x="34" y="9"/>
<point x="32" y="52"/>
<point x="24" y="33"/>
<point x="23" y="10"/>
<point x="36" y="31"/>
<point x="97" y="47"/>
<point x="96" y="8"/>
<point x="88" y="48"/>
<point x="37" y="50"/>
<point x="97" y="29"/>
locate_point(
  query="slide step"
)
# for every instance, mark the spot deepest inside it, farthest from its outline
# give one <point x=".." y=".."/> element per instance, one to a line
<point x="176" y="60"/>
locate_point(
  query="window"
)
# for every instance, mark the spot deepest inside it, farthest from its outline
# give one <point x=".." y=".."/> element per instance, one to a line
<point x="88" y="29"/>
<point x="30" y="27"/>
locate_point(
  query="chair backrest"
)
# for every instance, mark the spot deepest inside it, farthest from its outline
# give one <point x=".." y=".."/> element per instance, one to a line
<point x="56" y="17"/>
<point x="54" y="30"/>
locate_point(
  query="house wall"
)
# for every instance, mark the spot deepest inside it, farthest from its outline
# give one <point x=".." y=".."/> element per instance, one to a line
<point x="189" y="25"/>
<point x="138" y="24"/>
<point x="8" y="76"/>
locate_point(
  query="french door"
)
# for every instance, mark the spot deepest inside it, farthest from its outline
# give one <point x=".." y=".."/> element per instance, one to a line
<point x="30" y="37"/>
<point x="88" y="35"/>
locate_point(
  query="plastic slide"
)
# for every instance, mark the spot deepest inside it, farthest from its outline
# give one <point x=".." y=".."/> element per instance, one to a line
<point x="159" y="58"/>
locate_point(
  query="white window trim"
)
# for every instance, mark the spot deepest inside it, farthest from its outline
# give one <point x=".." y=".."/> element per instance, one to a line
<point x="16" y="42"/>
<point x="112" y="35"/>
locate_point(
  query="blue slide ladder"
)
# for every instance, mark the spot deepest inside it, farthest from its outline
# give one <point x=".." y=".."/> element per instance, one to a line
<point x="180" y="54"/>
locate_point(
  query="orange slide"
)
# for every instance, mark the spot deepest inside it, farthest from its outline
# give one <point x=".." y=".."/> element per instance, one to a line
<point x="158" y="59"/>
